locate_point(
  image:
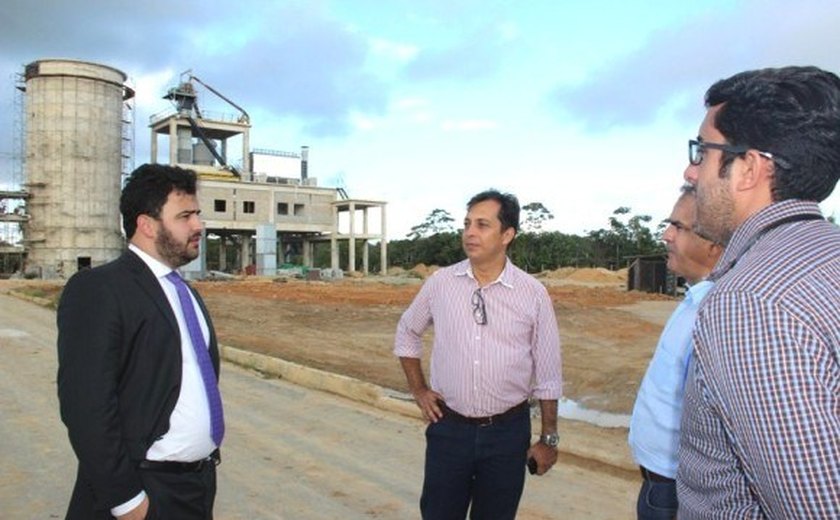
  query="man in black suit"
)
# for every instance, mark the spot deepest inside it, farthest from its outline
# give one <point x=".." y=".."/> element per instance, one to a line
<point x="139" y="399"/>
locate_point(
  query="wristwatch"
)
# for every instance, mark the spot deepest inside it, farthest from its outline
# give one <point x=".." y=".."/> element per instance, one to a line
<point x="550" y="439"/>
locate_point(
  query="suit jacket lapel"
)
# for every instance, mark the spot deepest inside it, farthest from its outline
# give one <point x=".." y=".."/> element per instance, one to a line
<point x="147" y="281"/>
<point x="150" y="285"/>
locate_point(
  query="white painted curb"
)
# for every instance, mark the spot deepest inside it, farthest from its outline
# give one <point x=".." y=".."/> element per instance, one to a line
<point x="574" y="435"/>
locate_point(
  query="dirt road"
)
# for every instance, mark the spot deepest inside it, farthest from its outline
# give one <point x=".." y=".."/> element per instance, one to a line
<point x="291" y="453"/>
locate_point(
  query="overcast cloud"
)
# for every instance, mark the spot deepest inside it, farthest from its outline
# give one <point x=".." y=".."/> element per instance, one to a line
<point x="687" y="58"/>
<point x="398" y="98"/>
<point x="260" y="52"/>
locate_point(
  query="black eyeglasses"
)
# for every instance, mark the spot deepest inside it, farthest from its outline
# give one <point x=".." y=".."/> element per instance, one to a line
<point x="479" y="312"/>
<point x="697" y="148"/>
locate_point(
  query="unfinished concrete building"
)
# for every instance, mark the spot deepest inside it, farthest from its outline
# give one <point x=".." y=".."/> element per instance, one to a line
<point x="76" y="144"/>
<point x="264" y="215"/>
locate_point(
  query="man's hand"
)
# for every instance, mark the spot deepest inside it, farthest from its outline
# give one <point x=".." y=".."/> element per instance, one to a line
<point x="138" y="513"/>
<point x="545" y="456"/>
<point x="427" y="400"/>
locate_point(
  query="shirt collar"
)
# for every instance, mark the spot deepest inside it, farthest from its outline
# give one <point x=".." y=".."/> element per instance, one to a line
<point x="698" y="291"/>
<point x="158" y="268"/>
<point x="744" y="236"/>
<point x="505" y="278"/>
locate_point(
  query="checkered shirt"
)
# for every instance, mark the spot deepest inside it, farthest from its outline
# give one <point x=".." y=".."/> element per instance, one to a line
<point x="761" y="421"/>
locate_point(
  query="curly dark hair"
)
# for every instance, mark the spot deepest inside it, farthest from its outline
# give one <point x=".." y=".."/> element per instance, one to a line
<point x="147" y="189"/>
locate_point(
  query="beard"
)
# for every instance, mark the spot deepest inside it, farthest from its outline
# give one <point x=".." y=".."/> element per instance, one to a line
<point x="174" y="253"/>
<point x="715" y="213"/>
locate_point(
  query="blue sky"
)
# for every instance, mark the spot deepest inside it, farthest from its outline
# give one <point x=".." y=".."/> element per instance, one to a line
<point x="583" y="106"/>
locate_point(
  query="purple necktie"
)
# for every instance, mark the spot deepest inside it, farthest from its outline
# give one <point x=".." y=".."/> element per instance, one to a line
<point x="208" y="375"/>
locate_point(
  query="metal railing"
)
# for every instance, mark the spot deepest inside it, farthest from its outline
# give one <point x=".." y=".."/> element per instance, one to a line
<point x="210" y="115"/>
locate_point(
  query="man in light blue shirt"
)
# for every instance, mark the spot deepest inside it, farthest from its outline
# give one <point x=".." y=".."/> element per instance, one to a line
<point x="655" y="425"/>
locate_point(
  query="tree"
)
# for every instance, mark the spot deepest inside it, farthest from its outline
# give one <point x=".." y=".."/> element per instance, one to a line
<point x="438" y="221"/>
<point x="624" y="239"/>
<point x="643" y="239"/>
<point x="535" y="216"/>
<point x="438" y="249"/>
<point x="627" y="235"/>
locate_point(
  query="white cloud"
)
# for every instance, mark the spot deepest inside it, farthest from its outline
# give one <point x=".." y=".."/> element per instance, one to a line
<point x="422" y="117"/>
<point x="402" y="52"/>
<point x="688" y="58"/>
<point x="150" y="87"/>
<point x="467" y="125"/>
<point x="415" y="109"/>
<point x="363" y="122"/>
<point x="509" y="31"/>
<point x="411" y="103"/>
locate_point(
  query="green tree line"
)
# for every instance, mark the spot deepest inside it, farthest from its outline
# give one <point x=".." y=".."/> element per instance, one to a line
<point x="436" y="241"/>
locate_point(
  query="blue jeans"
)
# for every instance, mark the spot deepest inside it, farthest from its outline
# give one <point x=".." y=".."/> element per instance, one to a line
<point x="479" y="465"/>
<point x="657" y="500"/>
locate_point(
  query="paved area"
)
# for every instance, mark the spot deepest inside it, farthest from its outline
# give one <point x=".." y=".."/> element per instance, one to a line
<point x="290" y="453"/>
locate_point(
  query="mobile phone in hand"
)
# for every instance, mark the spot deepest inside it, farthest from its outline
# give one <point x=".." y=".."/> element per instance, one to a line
<point x="532" y="466"/>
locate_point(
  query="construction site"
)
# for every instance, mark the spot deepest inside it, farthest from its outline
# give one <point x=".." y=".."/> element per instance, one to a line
<point x="75" y="136"/>
<point x="337" y="336"/>
<point x="263" y="211"/>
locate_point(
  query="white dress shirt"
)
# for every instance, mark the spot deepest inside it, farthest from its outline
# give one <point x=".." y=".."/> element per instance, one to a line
<point x="188" y="438"/>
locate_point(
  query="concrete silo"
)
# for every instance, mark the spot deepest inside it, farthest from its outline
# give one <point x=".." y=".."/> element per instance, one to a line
<point x="73" y="165"/>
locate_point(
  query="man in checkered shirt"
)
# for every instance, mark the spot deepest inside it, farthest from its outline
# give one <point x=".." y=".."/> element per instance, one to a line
<point x="761" y="421"/>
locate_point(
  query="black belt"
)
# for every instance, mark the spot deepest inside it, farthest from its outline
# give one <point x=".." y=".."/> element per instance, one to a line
<point x="654" y="477"/>
<point x="483" y="421"/>
<point x="171" y="466"/>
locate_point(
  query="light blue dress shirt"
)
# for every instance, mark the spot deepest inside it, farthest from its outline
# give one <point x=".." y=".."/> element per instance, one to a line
<point x="655" y="424"/>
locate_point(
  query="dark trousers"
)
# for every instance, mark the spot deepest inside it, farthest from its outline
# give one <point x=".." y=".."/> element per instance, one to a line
<point x="479" y="465"/>
<point x="187" y="496"/>
<point x="657" y="499"/>
<point x="174" y="496"/>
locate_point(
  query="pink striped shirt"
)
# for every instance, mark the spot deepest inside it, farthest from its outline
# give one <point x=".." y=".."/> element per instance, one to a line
<point x="483" y="370"/>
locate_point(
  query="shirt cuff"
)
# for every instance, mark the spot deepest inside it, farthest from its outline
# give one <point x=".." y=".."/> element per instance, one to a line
<point x="128" y="506"/>
<point x="553" y="393"/>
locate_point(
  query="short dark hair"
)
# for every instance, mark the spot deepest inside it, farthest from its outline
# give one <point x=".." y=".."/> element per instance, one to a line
<point x="791" y="112"/>
<point x="508" y="210"/>
<point x="147" y="189"/>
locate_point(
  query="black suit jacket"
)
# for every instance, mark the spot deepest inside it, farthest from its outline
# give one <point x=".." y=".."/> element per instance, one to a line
<point x="119" y="376"/>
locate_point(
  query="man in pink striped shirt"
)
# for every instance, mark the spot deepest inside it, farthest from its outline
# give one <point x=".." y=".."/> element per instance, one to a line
<point x="496" y="344"/>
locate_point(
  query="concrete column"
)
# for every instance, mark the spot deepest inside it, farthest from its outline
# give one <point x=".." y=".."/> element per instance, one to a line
<point x="154" y="150"/>
<point x="365" y="255"/>
<point x="246" y="256"/>
<point x="173" y="141"/>
<point x="223" y="253"/>
<point x="351" y="249"/>
<point x="246" y="159"/>
<point x="334" y="241"/>
<point x="366" y="244"/>
<point x="307" y="253"/>
<point x="237" y="258"/>
<point x="265" y="249"/>
<point x="383" y="250"/>
<point x="224" y="149"/>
